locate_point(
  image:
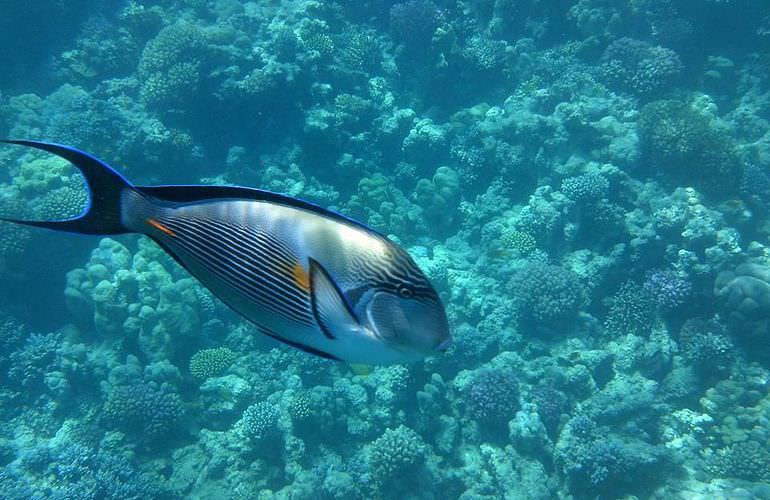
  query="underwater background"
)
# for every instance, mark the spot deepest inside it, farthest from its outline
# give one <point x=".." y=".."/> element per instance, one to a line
<point x="585" y="182"/>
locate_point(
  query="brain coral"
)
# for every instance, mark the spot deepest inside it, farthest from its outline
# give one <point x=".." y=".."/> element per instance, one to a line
<point x="744" y="297"/>
<point x="745" y="292"/>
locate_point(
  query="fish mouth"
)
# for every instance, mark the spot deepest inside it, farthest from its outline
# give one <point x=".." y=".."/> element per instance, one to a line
<point x="444" y="345"/>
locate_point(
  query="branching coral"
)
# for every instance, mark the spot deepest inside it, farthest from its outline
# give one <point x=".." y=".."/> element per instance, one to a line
<point x="630" y="310"/>
<point x="586" y="187"/>
<point x="706" y="345"/>
<point x="170" y="65"/>
<point x="666" y="288"/>
<point x="749" y="460"/>
<point x="29" y="364"/>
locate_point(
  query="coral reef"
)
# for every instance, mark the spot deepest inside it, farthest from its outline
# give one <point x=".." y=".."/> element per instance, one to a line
<point x="586" y="183"/>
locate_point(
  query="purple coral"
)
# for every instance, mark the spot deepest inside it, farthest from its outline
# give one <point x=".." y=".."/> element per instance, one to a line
<point x="551" y="404"/>
<point x="666" y="288"/>
<point x="492" y="397"/>
<point x="414" y="22"/>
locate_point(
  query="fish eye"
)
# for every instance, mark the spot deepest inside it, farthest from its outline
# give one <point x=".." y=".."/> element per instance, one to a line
<point x="405" y="291"/>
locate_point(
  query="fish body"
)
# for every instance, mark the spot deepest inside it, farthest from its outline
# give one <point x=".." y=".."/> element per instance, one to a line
<point x="306" y="276"/>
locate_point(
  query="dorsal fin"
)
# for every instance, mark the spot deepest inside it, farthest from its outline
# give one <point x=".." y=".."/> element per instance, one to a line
<point x="197" y="193"/>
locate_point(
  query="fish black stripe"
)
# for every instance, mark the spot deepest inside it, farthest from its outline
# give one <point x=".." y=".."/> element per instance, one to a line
<point x="246" y="270"/>
<point x="225" y="230"/>
<point x="278" y="282"/>
<point x="289" y="295"/>
<point x="216" y="267"/>
<point x="249" y="259"/>
<point x="250" y="292"/>
<point x="245" y="251"/>
<point x="221" y="269"/>
<point x="253" y="289"/>
<point x="278" y="253"/>
<point x="264" y="238"/>
<point x="241" y="270"/>
<point x="394" y="274"/>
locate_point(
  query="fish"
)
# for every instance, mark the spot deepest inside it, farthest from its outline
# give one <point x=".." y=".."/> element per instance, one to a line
<point x="305" y="275"/>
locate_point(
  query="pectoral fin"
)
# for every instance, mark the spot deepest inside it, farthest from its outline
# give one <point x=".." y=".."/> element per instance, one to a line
<point x="331" y="310"/>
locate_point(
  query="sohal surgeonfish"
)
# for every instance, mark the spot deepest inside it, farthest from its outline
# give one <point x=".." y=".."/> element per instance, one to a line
<point x="306" y="276"/>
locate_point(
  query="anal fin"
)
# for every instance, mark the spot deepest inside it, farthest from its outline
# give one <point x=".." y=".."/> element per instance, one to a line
<point x="297" y="345"/>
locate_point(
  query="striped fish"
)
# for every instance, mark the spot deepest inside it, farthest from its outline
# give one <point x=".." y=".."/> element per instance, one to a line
<point x="306" y="276"/>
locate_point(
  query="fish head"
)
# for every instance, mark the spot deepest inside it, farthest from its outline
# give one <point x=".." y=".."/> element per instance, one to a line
<point x="409" y="320"/>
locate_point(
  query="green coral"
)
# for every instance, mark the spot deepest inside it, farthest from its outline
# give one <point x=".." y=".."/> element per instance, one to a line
<point x="143" y="410"/>
<point x="260" y="420"/>
<point x="301" y="408"/>
<point x="747" y="460"/>
<point x="211" y="362"/>
<point x="62" y="203"/>
<point x="631" y="310"/>
<point x="41" y="175"/>
<point x="384" y="206"/>
<point x="396" y="453"/>
<point x="522" y="242"/>
<point x="439" y="196"/>
<point x="547" y="294"/>
<point x="170" y="65"/>
<point x="687" y="146"/>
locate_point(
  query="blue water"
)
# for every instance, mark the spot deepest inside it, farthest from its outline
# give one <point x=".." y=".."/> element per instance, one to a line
<point x="586" y="183"/>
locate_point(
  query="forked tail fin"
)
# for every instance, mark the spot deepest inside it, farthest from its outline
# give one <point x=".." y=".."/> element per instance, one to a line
<point x="106" y="189"/>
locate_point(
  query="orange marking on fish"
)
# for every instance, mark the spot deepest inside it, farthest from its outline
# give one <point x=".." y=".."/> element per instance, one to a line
<point x="301" y="277"/>
<point x="160" y="227"/>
